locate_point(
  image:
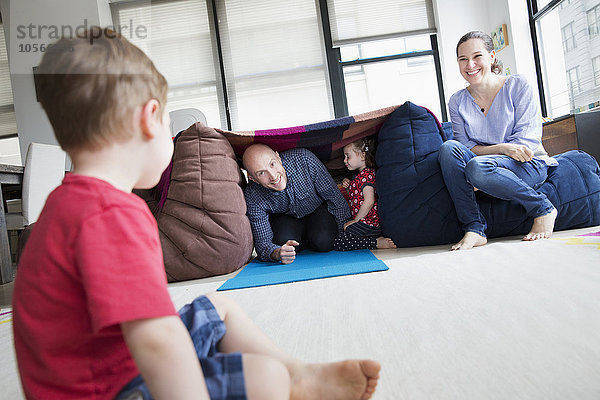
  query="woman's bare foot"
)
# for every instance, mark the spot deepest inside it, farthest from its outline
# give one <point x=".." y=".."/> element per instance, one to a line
<point x="470" y="240"/>
<point x="542" y="226"/>
<point x="345" y="380"/>
<point x="385" y="243"/>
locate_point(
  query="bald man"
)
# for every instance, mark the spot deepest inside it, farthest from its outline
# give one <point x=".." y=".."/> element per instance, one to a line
<point x="292" y="203"/>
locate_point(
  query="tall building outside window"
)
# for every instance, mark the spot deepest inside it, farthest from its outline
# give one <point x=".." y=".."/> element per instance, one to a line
<point x="569" y="53"/>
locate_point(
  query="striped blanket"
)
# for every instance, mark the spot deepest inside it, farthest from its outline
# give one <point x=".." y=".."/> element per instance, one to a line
<point x="325" y="139"/>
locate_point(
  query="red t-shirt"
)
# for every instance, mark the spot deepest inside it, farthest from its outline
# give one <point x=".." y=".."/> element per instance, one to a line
<point x="354" y="195"/>
<point x="93" y="260"/>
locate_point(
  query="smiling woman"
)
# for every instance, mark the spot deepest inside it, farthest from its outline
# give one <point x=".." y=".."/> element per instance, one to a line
<point x="476" y="57"/>
<point x="497" y="129"/>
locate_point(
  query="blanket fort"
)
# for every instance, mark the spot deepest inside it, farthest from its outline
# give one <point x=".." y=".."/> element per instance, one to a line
<point x="325" y="139"/>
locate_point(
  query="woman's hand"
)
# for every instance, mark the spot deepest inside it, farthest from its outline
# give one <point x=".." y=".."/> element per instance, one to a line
<point x="347" y="224"/>
<point x="517" y="152"/>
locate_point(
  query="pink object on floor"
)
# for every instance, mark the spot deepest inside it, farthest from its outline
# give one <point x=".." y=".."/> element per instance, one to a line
<point x="591" y="234"/>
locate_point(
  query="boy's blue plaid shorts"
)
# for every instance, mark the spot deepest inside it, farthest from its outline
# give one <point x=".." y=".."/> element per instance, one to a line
<point x="222" y="372"/>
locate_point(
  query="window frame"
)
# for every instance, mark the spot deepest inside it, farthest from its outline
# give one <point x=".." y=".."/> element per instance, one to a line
<point x="8" y="109"/>
<point x="568" y="39"/>
<point x="434" y="52"/>
<point x="596" y="70"/>
<point x="536" y="14"/>
<point x="334" y="65"/>
<point x="596" y="23"/>
<point x="574" y="83"/>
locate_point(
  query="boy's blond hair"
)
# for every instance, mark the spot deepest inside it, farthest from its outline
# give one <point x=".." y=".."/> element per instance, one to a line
<point x="90" y="86"/>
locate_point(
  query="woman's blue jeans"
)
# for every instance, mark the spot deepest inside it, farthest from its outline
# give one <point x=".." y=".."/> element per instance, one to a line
<point x="497" y="175"/>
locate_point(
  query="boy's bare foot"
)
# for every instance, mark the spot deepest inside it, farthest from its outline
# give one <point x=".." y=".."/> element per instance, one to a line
<point x="345" y="380"/>
<point x="385" y="243"/>
<point x="542" y="226"/>
<point x="470" y="240"/>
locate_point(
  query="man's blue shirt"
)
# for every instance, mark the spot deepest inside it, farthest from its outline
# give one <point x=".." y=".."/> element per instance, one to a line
<point x="309" y="184"/>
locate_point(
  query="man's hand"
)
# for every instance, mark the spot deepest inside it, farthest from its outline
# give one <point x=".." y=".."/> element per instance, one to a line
<point x="286" y="253"/>
<point x="518" y="152"/>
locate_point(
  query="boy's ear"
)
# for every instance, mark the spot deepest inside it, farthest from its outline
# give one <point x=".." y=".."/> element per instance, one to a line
<point x="150" y="119"/>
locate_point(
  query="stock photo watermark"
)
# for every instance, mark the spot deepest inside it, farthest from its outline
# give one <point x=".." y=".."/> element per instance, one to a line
<point x="34" y="38"/>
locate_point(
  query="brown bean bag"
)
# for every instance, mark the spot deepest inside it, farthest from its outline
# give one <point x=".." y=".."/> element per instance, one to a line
<point x="203" y="226"/>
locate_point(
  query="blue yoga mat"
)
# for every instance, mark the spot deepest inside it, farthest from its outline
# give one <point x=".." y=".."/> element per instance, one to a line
<point x="307" y="265"/>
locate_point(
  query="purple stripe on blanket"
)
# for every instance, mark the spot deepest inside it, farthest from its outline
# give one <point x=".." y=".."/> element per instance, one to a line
<point x="324" y="138"/>
<point x="280" y="143"/>
<point x="434" y="117"/>
<point x="280" y="131"/>
<point x="165" y="180"/>
<point x="163" y="185"/>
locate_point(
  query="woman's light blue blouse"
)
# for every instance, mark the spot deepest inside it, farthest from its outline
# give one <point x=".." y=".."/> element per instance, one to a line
<point x="513" y="117"/>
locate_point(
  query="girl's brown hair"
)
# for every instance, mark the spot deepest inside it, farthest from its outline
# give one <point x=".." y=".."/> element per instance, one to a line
<point x="366" y="145"/>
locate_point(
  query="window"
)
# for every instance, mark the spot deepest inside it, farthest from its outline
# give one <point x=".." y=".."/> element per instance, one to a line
<point x="596" y="68"/>
<point x="244" y="66"/>
<point x="387" y="55"/>
<point x="276" y="76"/>
<point x="357" y="21"/>
<point x="562" y="5"/>
<point x="9" y="142"/>
<point x="593" y="20"/>
<point x="569" y="71"/>
<point x="273" y="76"/>
<point x="178" y="41"/>
<point x="573" y="81"/>
<point x="568" y="38"/>
<point x="374" y="81"/>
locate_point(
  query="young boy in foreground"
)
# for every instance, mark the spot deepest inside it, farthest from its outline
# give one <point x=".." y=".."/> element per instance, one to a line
<point x="91" y="306"/>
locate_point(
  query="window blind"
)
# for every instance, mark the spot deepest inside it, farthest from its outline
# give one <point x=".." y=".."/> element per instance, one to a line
<point x="8" y="119"/>
<point x="357" y="21"/>
<point x="272" y="54"/>
<point x="274" y="63"/>
<point x="176" y="36"/>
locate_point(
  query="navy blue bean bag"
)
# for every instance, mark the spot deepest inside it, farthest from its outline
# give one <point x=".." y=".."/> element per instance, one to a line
<point x="415" y="208"/>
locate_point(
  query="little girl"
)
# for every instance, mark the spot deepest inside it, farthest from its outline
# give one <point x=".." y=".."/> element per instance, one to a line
<point x="363" y="231"/>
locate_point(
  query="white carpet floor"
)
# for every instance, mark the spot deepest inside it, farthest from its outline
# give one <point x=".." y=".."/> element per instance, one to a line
<point x="509" y="320"/>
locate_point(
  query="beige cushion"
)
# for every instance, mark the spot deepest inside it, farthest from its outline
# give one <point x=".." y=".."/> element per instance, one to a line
<point x="203" y="226"/>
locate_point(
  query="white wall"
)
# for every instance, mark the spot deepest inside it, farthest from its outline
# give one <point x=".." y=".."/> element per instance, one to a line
<point x="521" y="41"/>
<point x="499" y="14"/>
<point x="518" y="55"/>
<point x="454" y="18"/>
<point x="32" y="123"/>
